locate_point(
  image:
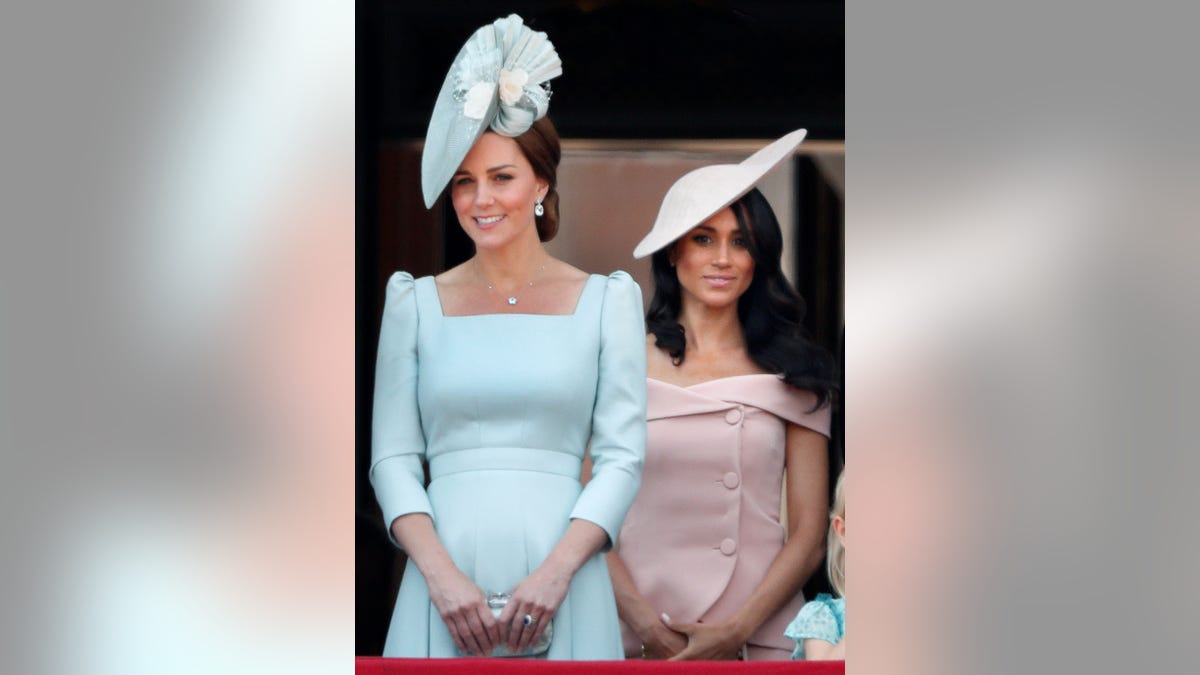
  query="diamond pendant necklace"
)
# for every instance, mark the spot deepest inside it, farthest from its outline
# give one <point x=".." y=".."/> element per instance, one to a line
<point x="512" y="299"/>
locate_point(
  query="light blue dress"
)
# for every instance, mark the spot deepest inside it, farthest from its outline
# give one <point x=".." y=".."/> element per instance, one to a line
<point x="502" y="406"/>
<point x="823" y="619"/>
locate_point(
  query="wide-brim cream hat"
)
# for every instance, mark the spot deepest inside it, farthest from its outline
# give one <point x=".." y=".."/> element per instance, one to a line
<point x="700" y="194"/>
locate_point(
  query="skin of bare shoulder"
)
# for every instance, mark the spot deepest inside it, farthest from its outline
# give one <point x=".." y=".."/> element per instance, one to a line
<point x="569" y="278"/>
<point x="561" y="284"/>
<point x="565" y="271"/>
<point x="697" y="367"/>
<point x="455" y="276"/>
<point x="455" y="287"/>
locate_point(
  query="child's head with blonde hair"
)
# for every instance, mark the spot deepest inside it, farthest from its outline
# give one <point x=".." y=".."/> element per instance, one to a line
<point x="835" y="560"/>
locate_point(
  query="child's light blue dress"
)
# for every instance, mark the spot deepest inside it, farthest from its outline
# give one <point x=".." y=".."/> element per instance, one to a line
<point x="502" y="407"/>
<point x="822" y="619"/>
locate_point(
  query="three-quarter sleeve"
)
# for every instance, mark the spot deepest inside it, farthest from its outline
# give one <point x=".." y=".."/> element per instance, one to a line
<point x="397" y="440"/>
<point x="618" y="442"/>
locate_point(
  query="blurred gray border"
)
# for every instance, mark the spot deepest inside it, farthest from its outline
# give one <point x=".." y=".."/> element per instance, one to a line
<point x="1020" y="245"/>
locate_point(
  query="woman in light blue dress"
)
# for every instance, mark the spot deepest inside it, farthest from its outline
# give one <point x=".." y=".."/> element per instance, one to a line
<point x="500" y="373"/>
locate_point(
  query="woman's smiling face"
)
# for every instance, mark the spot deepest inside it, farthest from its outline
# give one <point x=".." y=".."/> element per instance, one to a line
<point x="713" y="261"/>
<point x="494" y="192"/>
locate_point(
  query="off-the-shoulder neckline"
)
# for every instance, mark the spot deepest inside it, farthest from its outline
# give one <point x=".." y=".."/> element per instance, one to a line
<point x="578" y="302"/>
<point x="715" y="379"/>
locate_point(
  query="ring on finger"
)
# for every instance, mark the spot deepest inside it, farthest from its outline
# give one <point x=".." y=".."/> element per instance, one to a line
<point x="528" y="620"/>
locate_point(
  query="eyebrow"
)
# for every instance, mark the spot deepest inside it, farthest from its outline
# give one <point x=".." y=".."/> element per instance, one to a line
<point x="709" y="229"/>
<point x="494" y="168"/>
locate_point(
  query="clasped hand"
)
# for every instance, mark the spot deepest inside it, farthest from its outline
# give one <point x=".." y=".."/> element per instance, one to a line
<point x="465" y="612"/>
<point x="477" y="632"/>
<point x="659" y="641"/>
<point x="708" y="642"/>
<point x="537" y="596"/>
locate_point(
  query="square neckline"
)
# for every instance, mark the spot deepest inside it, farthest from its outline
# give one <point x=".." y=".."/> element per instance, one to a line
<point x="437" y="296"/>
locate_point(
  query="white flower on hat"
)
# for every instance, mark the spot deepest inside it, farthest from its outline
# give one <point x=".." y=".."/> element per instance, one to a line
<point x="512" y="85"/>
<point x="478" y="100"/>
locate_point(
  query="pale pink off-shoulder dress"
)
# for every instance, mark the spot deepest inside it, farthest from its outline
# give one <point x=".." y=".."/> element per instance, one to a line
<point x="705" y="525"/>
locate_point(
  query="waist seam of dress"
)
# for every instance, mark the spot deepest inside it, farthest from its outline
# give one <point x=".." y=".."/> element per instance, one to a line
<point x="505" y="459"/>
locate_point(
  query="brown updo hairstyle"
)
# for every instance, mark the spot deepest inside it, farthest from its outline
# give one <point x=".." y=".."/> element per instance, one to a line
<point x="540" y="146"/>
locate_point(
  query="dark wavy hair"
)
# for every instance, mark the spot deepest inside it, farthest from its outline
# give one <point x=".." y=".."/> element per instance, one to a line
<point x="770" y="311"/>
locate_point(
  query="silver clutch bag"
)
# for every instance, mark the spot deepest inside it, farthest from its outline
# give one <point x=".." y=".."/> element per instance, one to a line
<point x="497" y="601"/>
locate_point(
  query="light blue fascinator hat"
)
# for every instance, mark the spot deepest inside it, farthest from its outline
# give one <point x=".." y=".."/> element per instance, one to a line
<point x="499" y="80"/>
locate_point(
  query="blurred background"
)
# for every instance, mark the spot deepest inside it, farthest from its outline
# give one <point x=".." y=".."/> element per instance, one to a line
<point x="649" y="91"/>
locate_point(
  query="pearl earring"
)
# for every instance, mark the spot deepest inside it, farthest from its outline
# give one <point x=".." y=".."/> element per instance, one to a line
<point x="538" y="209"/>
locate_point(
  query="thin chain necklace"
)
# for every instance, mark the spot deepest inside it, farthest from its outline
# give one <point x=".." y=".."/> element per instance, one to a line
<point x="512" y="299"/>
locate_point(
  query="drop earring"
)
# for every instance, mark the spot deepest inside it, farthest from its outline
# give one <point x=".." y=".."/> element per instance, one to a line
<point x="538" y="209"/>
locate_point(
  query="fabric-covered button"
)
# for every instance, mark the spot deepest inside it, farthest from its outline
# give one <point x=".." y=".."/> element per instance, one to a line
<point x="728" y="547"/>
<point x="731" y="480"/>
<point x="733" y="416"/>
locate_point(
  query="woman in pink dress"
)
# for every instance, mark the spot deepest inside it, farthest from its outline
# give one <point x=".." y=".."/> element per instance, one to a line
<point x="737" y="399"/>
